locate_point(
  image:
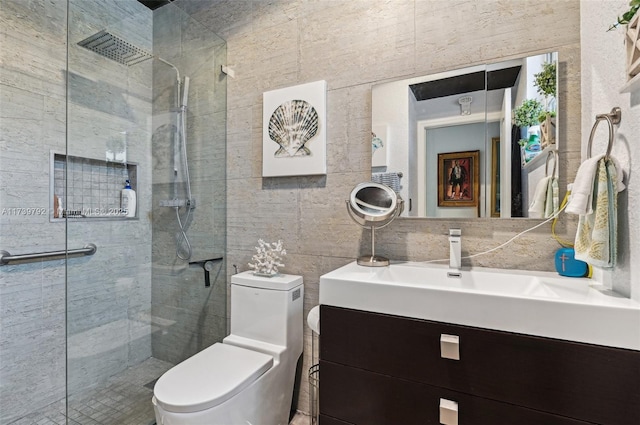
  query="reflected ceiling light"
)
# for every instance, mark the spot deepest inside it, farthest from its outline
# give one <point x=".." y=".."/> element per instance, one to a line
<point x="465" y="105"/>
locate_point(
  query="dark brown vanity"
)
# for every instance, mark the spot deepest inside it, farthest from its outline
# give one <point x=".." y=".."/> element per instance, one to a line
<point x="380" y="369"/>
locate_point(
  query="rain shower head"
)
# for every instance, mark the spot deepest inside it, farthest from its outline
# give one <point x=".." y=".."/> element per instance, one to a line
<point x="113" y="47"/>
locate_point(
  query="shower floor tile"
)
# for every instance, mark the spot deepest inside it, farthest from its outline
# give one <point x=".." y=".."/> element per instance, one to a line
<point x="122" y="400"/>
<point x="125" y="399"/>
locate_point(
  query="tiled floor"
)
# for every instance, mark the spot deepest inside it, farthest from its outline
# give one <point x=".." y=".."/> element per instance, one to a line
<point x="124" y="400"/>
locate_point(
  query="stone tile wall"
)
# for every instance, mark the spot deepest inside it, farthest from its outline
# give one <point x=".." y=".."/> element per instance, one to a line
<point x="354" y="45"/>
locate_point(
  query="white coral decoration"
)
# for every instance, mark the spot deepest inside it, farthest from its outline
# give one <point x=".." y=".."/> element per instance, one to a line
<point x="268" y="258"/>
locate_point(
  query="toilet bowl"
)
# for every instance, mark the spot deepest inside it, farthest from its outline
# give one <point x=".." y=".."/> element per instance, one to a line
<point x="248" y="378"/>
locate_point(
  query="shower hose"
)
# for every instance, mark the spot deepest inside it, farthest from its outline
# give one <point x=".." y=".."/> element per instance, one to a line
<point x="183" y="239"/>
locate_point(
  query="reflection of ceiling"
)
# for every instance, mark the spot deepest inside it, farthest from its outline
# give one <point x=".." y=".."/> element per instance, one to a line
<point x="462" y="84"/>
<point x="154" y="4"/>
<point x="448" y="86"/>
<point x="439" y="98"/>
<point x="502" y="78"/>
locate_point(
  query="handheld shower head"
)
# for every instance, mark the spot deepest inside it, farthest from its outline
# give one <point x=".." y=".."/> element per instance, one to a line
<point x="185" y="93"/>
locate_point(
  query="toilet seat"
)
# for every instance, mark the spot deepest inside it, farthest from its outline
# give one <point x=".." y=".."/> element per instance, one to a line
<point x="209" y="378"/>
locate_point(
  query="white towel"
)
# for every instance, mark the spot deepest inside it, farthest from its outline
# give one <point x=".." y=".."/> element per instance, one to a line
<point x="389" y="179"/>
<point x="536" y="209"/>
<point x="581" y="200"/>
<point x="313" y="319"/>
<point x="552" y="199"/>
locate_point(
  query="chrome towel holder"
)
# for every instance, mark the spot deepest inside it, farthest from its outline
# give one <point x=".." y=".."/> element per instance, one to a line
<point x="611" y="118"/>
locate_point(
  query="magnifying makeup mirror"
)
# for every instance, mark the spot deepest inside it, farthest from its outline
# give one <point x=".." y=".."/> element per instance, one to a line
<point x="374" y="206"/>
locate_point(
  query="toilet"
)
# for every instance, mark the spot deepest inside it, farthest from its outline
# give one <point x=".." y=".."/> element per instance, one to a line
<point x="248" y="378"/>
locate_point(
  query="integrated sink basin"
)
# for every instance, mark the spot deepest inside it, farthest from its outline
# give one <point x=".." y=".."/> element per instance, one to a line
<point x="532" y="303"/>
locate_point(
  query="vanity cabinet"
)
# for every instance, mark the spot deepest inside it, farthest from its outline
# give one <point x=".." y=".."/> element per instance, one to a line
<point x="383" y="369"/>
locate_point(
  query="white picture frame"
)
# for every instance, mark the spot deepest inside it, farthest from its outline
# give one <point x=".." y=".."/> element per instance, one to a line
<point x="294" y="131"/>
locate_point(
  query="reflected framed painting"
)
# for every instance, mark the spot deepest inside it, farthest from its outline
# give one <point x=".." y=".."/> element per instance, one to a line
<point x="495" y="177"/>
<point x="459" y="179"/>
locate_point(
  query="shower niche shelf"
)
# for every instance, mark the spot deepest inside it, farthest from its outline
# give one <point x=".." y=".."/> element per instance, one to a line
<point x="88" y="189"/>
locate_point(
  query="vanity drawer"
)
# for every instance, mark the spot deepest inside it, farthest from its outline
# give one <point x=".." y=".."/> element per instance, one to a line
<point x="591" y="383"/>
<point x="328" y="420"/>
<point x="361" y="397"/>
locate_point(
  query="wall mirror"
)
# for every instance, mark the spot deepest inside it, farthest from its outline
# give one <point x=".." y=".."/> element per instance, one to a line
<point x="470" y="142"/>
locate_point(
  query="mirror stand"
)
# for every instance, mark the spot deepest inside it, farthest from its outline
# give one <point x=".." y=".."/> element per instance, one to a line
<point x="372" y="260"/>
<point x="370" y="204"/>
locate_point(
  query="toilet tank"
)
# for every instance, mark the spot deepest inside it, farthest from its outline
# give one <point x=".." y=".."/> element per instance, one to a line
<point x="268" y="309"/>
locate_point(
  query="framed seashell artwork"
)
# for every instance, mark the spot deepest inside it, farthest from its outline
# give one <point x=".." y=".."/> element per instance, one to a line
<point x="295" y="131"/>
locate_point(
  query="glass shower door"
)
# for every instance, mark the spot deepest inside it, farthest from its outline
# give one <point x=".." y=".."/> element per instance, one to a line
<point x="32" y="292"/>
<point x="146" y="109"/>
<point x="89" y="99"/>
<point x="109" y="104"/>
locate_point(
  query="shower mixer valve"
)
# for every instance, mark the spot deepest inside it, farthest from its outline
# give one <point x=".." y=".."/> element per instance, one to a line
<point x="172" y="203"/>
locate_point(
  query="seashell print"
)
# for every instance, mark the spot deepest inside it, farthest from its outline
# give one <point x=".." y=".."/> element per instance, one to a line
<point x="291" y="126"/>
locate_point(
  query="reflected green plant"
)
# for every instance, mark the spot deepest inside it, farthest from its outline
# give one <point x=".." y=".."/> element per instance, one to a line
<point x="527" y="114"/>
<point x="626" y="17"/>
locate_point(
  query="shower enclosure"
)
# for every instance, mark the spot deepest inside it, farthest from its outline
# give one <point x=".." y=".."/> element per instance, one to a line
<point x="94" y="93"/>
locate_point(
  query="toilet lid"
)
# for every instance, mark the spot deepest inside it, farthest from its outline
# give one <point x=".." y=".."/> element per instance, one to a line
<point x="209" y="378"/>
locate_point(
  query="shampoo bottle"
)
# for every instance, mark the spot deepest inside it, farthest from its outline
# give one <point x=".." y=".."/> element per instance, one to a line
<point x="128" y="200"/>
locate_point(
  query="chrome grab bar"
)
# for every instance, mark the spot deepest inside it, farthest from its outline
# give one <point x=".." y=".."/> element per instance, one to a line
<point x="6" y="258"/>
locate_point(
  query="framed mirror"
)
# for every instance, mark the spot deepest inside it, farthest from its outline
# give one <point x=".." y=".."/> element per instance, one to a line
<point x="504" y="111"/>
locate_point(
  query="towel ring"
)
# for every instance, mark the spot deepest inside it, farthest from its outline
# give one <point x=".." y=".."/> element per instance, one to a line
<point x="612" y="118"/>
<point x="554" y="154"/>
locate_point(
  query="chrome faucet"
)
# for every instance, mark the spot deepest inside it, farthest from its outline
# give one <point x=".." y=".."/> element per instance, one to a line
<point x="455" y="249"/>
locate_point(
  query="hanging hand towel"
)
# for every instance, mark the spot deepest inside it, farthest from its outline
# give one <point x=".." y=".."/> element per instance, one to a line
<point x="581" y="200"/>
<point x="552" y="200"/>
<point x="596" y="239"/>
<point x="536" y="209"/>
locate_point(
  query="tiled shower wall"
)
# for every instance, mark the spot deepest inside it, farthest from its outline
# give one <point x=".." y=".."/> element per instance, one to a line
<point x="354" y="45"/>
<point x="109" y="293"/>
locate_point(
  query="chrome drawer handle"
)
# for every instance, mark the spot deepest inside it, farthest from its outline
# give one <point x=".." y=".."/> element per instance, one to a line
<point x="450" y="347"/>
<point x="448" y="412"/>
